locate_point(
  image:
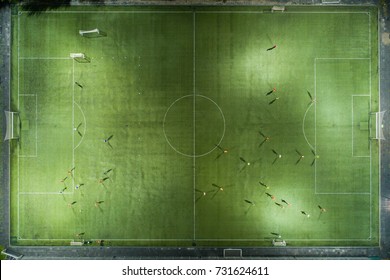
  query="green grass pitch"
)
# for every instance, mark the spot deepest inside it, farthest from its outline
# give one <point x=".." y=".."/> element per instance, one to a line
<point x="181" y="93"/>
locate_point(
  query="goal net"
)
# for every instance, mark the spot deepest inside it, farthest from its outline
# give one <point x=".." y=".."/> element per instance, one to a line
<point x="278" y="9"/>
<point x="80" y="57"/>
<point x="378" y="124"/>
<point x="93" y="33"/>
<point x="279" y="242"/>
<point x="12" y="124"/>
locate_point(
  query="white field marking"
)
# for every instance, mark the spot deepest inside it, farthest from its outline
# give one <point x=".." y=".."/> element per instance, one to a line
<point x="285" y="12"/>
<point x="295" y="239"/>
<point x="345" y="193"/>
<point x="352" y="102"/>
<point x="9" y="146"/>
<point x="191" y="12"/>
<point x="36" y="125"/>
<point x="45" y="193"/>
<point x="315" y="125"/>
<point x="201" y="239"/>
<point x="370" y="81"/>
<point x="342" y="58"/>
<point x="194" y="120"/>
<point x="223" y="118"/>
<point x="369" y="36"/>
<point x="73" y="91"/>
<point x="200" y="12"/>
<point x="303" y="127"/>
<point x="115" y="12"/>
<point x="28" y="156"/>
<point x="85" y="126"/>
<point x="45" y="58"/>
<point x="315" y="116"/>
<point x="106" y="239"/>
<point x="18" y="210"/>
<point x="379" y="142"/>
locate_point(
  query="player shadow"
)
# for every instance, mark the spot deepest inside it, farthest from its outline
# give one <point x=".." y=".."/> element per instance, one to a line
<point x="222" y="151"/>
<point x="219" y="189"/>
<point x="202" y="194"/>
<point x="98" y="204"/>
<point x="251" y="204"/>
<point x="246" y="164"/>
<point x="277" y="156"/>
<point x="107" y="140"/>
<point x="77" y="129"/>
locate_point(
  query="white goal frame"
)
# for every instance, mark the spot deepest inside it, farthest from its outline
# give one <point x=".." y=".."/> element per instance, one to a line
<point x="378" y="125"/>
<point x="278" y="9"/>
<point x="10" y="123"/>
<point x="79" y="57"/>
<point x="93" y="33"/>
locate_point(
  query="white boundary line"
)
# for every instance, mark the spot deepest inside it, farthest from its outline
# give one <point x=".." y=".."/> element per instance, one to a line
<point x="18" y="211"/>
<point x="45" y="193"/>
<point x="9" y="146"/>
<point x="199" y="239"/>
<point x="270" y="13"/>
<point x="44" y="58"/>
<point x="343" y="58"/>
<point x="73" y="134"/>
<point x="370" y="78"/>
<point x="303" y="127"/>
<point x="194" y="119"/>
<point x="199" y="12"/>
<point x="315" y="125"/>
<point x="106" y="239"/>
<point x="115" y="12"/>
<point x="194" y="113"/>
<point x="379" y="142"/>
<point x="352" y="120"/>
<point x="345" y="193"/>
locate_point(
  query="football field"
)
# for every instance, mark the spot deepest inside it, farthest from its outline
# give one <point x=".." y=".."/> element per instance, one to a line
<point x="195" y="126"/>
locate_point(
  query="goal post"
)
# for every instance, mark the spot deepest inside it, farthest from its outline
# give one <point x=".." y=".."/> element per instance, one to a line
<point x="279" y="243"/>
<point x="378" y="122"/>
<point x="12" y="125"/>
<point x="93" y="33"/>
<point x="80" y="57"/>
<point x="278" y="9"/>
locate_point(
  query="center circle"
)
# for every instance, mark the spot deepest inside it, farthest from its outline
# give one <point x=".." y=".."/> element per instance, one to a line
<point x="194" y="125"/>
